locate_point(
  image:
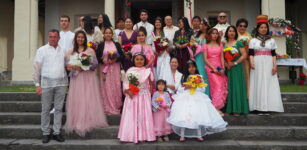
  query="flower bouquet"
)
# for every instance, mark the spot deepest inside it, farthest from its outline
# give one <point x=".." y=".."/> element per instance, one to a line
<point x="230" y="53"/>
<point x="81" y="60"/>
<point x="162" y="103"/>
<point x="301" y="79"/>
<point x="127" y="47"/>
<point x="133" y="83"/>
<point x="112" y="55"/>
<point x="195" y="81"/>
<point x="161" y="43"/>
<point x="92" y="45"/>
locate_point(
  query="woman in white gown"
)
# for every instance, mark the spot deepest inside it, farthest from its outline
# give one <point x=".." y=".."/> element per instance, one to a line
<point x="264" y="86"/>
<point x="163" y="68"/>
<point x="193" y="115"/>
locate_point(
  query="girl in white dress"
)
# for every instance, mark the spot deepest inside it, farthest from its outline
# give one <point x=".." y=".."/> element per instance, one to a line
<point x="193" y="115"/>
<point x="264" y="86"/>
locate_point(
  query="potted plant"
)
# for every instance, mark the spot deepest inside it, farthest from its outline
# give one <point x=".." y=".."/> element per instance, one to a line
<point x="301" y="79"/>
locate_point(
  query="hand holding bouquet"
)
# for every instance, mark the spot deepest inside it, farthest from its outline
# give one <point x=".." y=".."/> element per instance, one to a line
<point x="161" y="43"/>
<point x="162" y="103"/>
<point x="81" y="60"/>
<point x="133" y="83"/>
<point x="230" y="53"/>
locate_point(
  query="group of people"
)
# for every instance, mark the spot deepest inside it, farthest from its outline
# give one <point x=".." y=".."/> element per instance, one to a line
<point x="202" y="74"/>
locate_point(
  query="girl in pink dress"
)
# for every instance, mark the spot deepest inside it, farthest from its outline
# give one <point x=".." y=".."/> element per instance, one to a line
<point x="84" y="110"/>
<point x="161" y="103"/>
<point x="137" y="121"/>
<point x="109" y="54"/>
<point x="214" y="59"/>
<point x="142" y="47"/>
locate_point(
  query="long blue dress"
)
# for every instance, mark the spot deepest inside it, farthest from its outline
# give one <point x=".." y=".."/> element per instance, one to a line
<point x="200" y="63"/>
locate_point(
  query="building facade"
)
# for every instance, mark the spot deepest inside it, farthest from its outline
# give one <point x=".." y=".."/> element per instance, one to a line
<point x="24" y="23"/>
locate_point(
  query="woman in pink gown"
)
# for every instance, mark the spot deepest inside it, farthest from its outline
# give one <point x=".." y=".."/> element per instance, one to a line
<point x="84" y="110"/>
<point x="110" y="80"/>
<point x="137" y="121"/>
<point x="214" y="59"/>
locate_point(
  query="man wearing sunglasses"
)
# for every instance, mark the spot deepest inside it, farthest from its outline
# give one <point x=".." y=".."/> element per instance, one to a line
<point x="222" y="24"/>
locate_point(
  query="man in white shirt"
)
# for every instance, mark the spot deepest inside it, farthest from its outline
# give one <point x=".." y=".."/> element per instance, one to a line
<point x="169" y="30"/>
<point x="222" y="24"/>
<point x="50" y="79"/>
<point x="144" y="23"/>
<point x="67" y="37"/>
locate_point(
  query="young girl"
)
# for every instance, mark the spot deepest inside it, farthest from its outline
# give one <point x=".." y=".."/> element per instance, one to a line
<point x="136" y="121"/>
<point x="161" y="103"/>
<point x="142" y="47"/>
<point x="192" y="114"/>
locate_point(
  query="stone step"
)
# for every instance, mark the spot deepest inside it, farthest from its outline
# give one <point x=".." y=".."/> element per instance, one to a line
<point x="28" y="96"/>
<point x="111" y="144"/>
<point x="35" y="106"/>
<point x="233" y="132"/>
<point x="277" y="119"/>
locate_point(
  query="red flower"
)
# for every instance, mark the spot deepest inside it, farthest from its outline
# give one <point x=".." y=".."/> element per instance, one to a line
<point x="84" y="55"/>
<point x="127" y="47"/>
<point x="134" y="89"/>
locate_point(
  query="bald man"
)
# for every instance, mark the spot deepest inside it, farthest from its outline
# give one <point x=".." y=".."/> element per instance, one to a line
<point x="222" y="24"/>
<point x="169" y="30"/>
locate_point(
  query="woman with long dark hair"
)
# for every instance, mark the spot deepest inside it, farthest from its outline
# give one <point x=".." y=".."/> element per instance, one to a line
<point x="92" y="34"/>
<point x="237" y="100"/>
<point x="199" y="53"/>
<point x="264" y="86"/>
<point x="109" y="55"/>
<point x="83" y="101"/>
<point x="181" y="39"/>
<point x="103" y="22"/>
<point x="163" y="68"/>
<point x="127" y="38"/>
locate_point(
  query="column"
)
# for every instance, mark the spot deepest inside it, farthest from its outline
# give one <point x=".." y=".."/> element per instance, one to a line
<point x="109" y="9"/>
<point x="25" y="39"/>
<point x="187" y="12"/>
<point x="276" y="8"/>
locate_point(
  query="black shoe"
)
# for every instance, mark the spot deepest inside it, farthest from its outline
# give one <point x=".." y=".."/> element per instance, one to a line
<point x="58" y="138"/>
<point x="46" y="139"/>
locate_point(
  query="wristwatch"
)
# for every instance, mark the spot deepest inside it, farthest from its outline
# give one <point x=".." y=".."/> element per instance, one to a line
<point x="235" y="63"/>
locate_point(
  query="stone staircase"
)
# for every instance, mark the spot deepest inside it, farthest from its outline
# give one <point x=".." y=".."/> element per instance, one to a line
<point x="20" y="130"/>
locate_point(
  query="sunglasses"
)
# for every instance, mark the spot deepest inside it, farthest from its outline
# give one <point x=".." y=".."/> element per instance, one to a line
<point x="222" y="16"/>
<point x="242" y="26"/>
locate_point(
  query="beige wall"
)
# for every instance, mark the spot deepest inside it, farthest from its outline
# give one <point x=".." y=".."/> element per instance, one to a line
<point x="72" y="8"/>
<point x="6" y="34"/>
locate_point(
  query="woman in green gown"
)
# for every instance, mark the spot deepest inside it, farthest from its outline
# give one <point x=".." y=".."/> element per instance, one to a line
<point x="199" y="57"/>
<point x="237" y="100"/>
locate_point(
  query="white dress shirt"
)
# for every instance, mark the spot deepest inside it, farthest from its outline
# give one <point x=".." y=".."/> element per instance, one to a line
<point x="149" y="29"/>
<point x="116" y="34"/>
<point x="49" y="67"/>
<point x="67" y="40"/>
<point x="222" y="27"/>
<point x="169" y="34"/>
